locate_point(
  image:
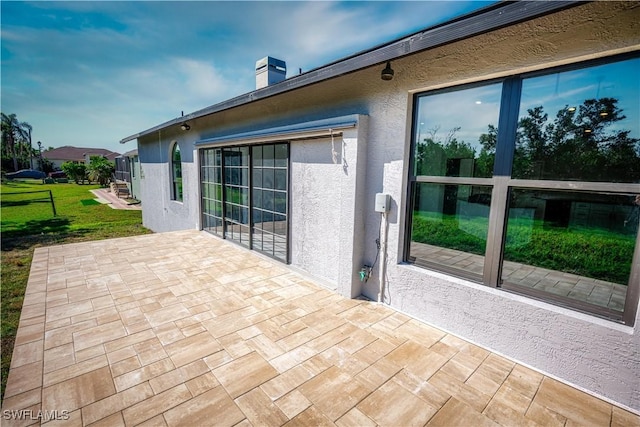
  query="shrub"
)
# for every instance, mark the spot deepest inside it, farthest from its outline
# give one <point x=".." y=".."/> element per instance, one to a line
<point x="75" y="171"/>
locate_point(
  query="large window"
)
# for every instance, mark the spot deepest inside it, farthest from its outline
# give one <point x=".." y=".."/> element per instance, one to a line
<point x="176" y="173"/>
<point x="244" y="196"/>
<point x="532" y="184"/>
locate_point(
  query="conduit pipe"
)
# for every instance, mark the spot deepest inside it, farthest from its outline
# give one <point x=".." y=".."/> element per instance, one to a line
<point x="383" y="255"/>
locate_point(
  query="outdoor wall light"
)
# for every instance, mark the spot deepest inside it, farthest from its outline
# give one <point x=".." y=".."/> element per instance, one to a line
<point x="387" y="73"/>
<point x="185" y="126"/>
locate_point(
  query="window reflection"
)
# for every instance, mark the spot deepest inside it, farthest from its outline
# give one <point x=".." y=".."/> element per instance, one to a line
<point x="270" y="181"/>
<point x="576" y="245"/>
<point x="176" y="173"/>
<point x="581" y="125"/>
<point x="211" y="175"/>
<point x="456" y="132"/>
<point x="565" y="222"/>
<point x="449" y="225"/>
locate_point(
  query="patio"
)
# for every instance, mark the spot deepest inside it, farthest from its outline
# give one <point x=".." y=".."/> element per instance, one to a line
<point x="184" y="328"/>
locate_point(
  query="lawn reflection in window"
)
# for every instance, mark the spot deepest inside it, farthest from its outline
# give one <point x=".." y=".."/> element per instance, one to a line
<point x="450" y="225"/>
<point x="571" y="244"/>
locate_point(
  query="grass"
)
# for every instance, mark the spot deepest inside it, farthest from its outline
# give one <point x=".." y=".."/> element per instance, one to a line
<point x="451" y="232"/>
<point x="27" y="224"/>
<point x="591" y="252"/>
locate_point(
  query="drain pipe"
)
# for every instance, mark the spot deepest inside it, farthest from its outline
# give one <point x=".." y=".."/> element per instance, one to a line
<point x="383" y="202"/>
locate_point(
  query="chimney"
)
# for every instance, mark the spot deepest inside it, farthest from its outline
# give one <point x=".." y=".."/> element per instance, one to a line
<point x="270" y="71"/>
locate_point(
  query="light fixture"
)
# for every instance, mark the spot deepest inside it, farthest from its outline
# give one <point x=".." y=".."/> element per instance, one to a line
<point x="604" y="113"/>
<point x="185" y="126"/>
<point x="387" y="73"/>
<point x="571" y="109"/>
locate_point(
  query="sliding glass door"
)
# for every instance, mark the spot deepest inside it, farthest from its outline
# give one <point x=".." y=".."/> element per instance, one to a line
<point x="245" y="196"/>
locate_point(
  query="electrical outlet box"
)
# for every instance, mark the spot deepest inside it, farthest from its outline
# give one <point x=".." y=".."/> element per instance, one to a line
<point x="383" y="202"/>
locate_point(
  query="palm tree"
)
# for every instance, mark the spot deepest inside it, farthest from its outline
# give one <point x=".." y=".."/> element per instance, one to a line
<point x="100" y="170"/>
<point x="15" y="137"/>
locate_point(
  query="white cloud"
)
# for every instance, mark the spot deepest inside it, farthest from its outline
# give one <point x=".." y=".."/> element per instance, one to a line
<point x="89" y="73"/>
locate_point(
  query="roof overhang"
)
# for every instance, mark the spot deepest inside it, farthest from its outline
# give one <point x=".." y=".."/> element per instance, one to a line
<point x="502" y="14"/>
<point x="305" y="130"/>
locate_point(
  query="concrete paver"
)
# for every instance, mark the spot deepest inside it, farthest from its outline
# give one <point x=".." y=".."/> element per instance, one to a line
<point x="184" y="328"/>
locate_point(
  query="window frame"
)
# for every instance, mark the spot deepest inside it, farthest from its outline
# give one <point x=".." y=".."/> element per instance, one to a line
<point x="172" y="170"/>
<point x="502" y="183"/>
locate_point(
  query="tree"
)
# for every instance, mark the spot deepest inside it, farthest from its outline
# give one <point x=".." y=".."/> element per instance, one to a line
<point x="16" y="142"/>
<point x="444" y="156"/>
<point x="579" y="143"/>
<point x="100" y="170"/>
<point x="75" y="171"/>
<point x="45" y="165"/>
<point x="583" y="143"/>
<point x="486" y="159"/>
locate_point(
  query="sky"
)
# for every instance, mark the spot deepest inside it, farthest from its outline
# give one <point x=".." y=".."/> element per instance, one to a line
<point x="90" y="73"/>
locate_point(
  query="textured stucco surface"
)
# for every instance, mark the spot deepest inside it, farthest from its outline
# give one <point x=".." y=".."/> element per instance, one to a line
<point x="333" y="226"/>
<point x="325" y="210"/>
<point x="316" y="188"/>
<point x="159" y="212"/>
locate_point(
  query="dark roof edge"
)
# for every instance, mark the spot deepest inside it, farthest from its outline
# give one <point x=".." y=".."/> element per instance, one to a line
<point x="481" y="21"/>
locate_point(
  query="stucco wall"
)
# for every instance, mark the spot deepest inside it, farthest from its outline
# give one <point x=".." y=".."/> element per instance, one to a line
<point x="597" y="355"/>
<point x="593" y="354"/>
<point x="159" y="212"/>
<point x="325" y="223"/>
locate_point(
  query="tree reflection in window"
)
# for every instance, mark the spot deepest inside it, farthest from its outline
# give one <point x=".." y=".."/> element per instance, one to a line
<point x="580" y="143"/>
<point x="568" y="205"/>
<point x="564" y="138"/>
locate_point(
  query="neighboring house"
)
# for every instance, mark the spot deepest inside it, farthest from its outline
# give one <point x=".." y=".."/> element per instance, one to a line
<point x="128" y="170"/>
<point x="506" y="141"/>
<point x="76" y="154"/>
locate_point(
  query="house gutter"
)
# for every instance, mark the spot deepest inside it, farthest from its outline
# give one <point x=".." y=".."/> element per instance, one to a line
<point x="488" y="19"/>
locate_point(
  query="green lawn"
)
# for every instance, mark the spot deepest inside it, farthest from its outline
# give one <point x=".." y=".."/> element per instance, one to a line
<point x="26" y="225"/>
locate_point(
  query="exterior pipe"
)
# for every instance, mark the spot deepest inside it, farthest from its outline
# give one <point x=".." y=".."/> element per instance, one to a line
<point x="383" y="257"/>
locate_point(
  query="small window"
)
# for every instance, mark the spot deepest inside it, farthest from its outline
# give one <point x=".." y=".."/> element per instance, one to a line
<point x="176" y="173"/>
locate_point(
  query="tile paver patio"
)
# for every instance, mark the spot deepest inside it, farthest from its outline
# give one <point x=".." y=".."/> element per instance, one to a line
<point x="183" y="328"/>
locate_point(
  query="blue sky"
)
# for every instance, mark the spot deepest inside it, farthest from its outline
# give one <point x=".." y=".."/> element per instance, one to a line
<point x="89" y="73"/>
